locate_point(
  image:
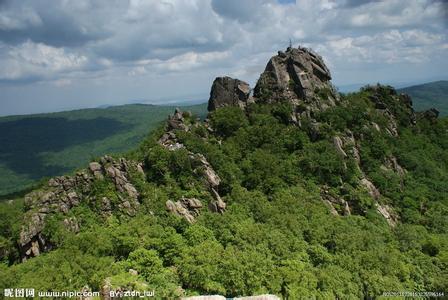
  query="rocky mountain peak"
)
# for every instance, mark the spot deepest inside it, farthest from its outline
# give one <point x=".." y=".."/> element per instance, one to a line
<point x="297" y="76"/>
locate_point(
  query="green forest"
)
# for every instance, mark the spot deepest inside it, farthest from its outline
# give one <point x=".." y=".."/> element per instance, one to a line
<point x="277" y="235"/>
<point x="43" y="145"/>
<point x="429" y="95"/>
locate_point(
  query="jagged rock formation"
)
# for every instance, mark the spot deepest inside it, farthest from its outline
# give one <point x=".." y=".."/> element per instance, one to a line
<point x="66" y="192"/>
<point x="337" y="205"/>
<point x="228" y="91"/>
<point x="298" y="76"/>
<point x="404" y="101"/>
<point x="188" y="208"/>
<point x="388" y="213"/>
<point x="185" y="207"/>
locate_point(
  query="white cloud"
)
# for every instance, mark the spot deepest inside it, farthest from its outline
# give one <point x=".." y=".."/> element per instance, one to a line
<point x="393" y="46"/>
<point x="31" y="60"/>
<point x="89" y="41"/>
<point x="13" y="21"/>
<point x="181" y="63"/>
<point x="50" y="58"/>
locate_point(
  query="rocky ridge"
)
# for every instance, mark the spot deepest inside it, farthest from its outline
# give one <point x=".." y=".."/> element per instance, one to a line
<point x="66" y="192"/>
<point x="189" y="207"/>
<point x="297" y="77"/>
<point x="300" y="78"/>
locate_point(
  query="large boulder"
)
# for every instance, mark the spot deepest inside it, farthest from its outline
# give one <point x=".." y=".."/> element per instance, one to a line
<point x="227" y="91"/>
<point x="297" y="76"/>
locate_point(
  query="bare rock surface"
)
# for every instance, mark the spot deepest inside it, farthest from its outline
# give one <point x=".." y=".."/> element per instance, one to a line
<point x="388" y="213"/>
<point x="298" y="76"/>
<point x="371" y="189"/>
<point x="227" y="91"/>
<point x="185" y="207"/>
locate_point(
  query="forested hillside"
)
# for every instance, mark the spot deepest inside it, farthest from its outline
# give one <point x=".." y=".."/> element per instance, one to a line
<point x="429" y="95"/>
<point x="293" y="190"/>
<point x="37" y="146"/>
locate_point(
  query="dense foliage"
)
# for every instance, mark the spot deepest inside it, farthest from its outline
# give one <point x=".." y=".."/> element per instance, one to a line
<point x="277" y="235"/>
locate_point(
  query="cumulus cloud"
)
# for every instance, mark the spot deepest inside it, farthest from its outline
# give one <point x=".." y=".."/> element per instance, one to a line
<point x="35" y="60"/>
<point x="62" y="23"/>
<point x="66" y="41"/>
<point x="164" y="29"/>
<point x="393" y="46"/>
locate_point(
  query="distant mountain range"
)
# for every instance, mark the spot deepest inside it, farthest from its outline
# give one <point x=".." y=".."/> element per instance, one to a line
<point x="429" y="95"/>
<point x="425" y="96"/>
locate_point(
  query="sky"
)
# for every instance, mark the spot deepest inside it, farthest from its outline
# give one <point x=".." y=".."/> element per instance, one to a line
<point x="69" y="54"/>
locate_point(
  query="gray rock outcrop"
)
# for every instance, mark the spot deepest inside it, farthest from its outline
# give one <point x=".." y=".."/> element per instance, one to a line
<point x="430" y="114"/>
<point x="388" y="213"/>
<point x="371" y="189"/>
<point x="337" y="205"/>
<point x="65" y="192"/>
<point x="227" y="91"/>
<point x="298" y="76"/>
<point x="185" y="207"/>
<point x="201" y="166"/>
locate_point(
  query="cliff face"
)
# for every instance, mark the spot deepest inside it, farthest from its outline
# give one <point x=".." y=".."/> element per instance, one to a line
<point x="298" y="76"/>
<point x="227" y="91"/>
